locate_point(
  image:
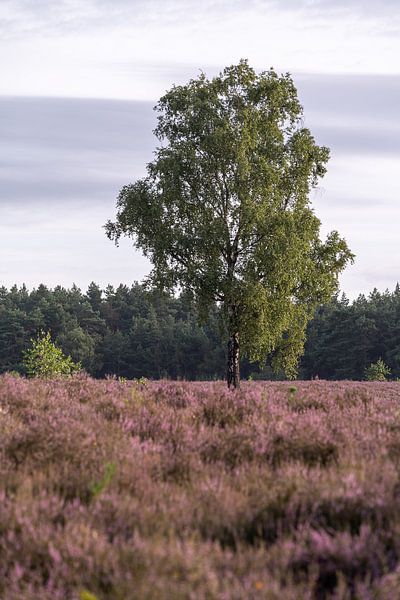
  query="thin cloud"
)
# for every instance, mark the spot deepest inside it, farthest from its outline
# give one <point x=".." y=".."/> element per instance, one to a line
<point x="63" y="162"/>
<point x="18" y="17"/>
<point x="55" y="149"/>
<point x="372" y="98"/>
<point x="363" y="7"/>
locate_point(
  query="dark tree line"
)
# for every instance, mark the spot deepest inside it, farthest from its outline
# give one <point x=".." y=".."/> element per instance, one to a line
<point x="127" y="331"/>
<point x="133" y="332"/>
<point x="344" y="338"/>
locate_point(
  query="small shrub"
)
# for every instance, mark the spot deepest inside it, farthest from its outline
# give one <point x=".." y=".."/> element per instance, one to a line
<point x="309" y="450"/>
<point x="174" y="466"/>
<point x="377" y="371"/>
<point x="13" y="374"/>
<point x="232" y="448"/>
<point x="222" y="412"/>
<point x="44" y="359"/>
<point x="85" y="595"/>
<point x="301" y="405"/>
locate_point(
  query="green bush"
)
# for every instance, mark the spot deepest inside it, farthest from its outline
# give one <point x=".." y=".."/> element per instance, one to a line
<point x="377" y="371"/>
<point x="44" y="359"/>
<point x="13" y="374"/>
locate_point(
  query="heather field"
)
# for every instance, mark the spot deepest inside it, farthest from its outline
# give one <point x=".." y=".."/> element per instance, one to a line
<point x="160" y="490"/>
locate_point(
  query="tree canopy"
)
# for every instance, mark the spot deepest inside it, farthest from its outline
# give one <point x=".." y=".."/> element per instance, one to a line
<point x="224" y="211"/>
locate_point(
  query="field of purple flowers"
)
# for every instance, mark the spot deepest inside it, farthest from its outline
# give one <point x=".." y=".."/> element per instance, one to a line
<point x="124" y="490"/>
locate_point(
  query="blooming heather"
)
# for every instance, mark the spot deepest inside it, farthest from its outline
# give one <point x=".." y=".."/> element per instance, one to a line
<point x="114" y="490"/>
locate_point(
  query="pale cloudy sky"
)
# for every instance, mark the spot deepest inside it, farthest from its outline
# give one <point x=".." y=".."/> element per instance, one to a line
<point x="78" y="82"/>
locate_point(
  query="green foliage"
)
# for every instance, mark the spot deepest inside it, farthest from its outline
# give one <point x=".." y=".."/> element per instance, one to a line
<point x="377" y="371"/>
<point x="126" y="331"/>
<point x="142" y="381"/>
<point x="344" y="338"/>
<point x="45" y="359"/>
<point x="98" y="487"/>
<point x="85" y="595"/>
<point x="13" y="374"/>
<point x="224" y="211"/>
<point x="79" y="344"/>
<point x="136" y="332"/>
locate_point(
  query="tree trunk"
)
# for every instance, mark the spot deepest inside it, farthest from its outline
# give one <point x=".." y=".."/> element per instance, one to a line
<point x="233" y="370"/>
